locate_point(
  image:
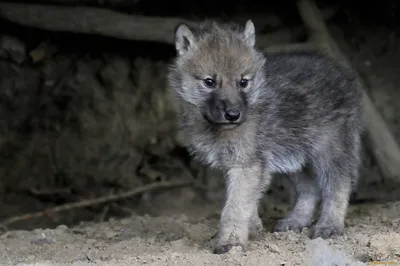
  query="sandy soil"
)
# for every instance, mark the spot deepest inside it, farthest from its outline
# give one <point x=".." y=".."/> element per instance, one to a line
<point x="372" y="234"/>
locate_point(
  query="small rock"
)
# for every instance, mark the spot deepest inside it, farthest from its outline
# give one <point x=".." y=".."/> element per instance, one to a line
<point x="183" y="218"/>
<point x="322" y="254"/>
<point x="62" y="227"/>
<point x="43" y="51"/>
<point x="37" y="231"/>
<point x="110" y="234"/>
<point x="92" y="255"/>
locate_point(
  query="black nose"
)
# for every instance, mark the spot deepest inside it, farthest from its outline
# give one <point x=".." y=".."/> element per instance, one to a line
<point x="232" y="115"/>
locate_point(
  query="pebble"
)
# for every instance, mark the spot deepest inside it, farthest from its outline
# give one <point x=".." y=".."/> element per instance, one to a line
<point x="62" y="227"/>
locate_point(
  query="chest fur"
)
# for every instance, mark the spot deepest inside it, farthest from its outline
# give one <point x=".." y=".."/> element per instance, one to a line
<point x="224" y="150"/>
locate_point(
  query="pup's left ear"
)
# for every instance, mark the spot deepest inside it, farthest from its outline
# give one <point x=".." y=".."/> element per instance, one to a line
<point x="250" y="33"/>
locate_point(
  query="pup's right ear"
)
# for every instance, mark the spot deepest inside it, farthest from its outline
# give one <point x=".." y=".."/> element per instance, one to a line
<point x="184" y="39"/>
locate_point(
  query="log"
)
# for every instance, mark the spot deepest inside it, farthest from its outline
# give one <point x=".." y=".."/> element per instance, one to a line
<point x="105" y="22"/>
<point x="383" y="144"/>
<point x="91" y="20"/>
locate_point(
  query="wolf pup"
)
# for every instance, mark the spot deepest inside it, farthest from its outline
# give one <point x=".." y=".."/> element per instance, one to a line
<point x="252" y="115"/>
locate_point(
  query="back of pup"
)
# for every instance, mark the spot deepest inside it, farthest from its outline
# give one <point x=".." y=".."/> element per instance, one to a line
<point x="313" y="118"/>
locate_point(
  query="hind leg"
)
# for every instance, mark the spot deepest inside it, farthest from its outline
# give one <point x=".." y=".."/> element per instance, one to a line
<point x="307" y="194"/>
<point x="336" y="172"/>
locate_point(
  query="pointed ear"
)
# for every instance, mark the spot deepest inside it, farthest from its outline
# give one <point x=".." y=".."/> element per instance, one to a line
<point x="250" y="33"/>
<point x="184" y="39"/>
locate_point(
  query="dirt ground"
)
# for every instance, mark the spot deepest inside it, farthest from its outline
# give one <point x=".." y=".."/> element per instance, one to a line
<point x="372" y="234"/>
<point x="78" y="125"/>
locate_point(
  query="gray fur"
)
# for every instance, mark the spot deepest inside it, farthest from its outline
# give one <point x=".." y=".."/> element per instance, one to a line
<point x="300" y="114"/>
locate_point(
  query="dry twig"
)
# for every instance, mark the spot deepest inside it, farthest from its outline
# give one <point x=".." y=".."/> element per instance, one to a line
<point x="46" y="192"/>
<point x="90" y="202"/>
<point x="384" y="146"/>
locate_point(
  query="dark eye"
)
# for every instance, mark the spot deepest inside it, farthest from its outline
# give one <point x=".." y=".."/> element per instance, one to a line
<point x="243" y="83"/>
<point x="210" y="83"/>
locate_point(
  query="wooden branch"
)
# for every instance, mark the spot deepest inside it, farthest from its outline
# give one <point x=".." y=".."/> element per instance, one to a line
<point x="384" y="146"/>
<point x="317" y="31"/>
<point x="91" y="202"/>
<point x="101" y="21"/>
<point x="91" y="20"/>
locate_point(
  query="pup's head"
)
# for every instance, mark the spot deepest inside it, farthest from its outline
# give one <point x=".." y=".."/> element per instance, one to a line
<point x="217" y="71"/>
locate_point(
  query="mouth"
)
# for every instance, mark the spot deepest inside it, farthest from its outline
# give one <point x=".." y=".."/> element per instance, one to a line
<point x="227" y="126"/>
<point x="222" y="125"/>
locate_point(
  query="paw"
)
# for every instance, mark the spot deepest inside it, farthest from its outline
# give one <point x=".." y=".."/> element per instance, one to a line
<point x="221" y="249"/>
<point x="288" y="224"/>
<point x="326" y="231"/>
<point x="256" y="229"/>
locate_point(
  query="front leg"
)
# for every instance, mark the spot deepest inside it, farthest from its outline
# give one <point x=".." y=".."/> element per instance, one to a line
<point x="256" y="226"/>
<point x="245" y="186"/>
